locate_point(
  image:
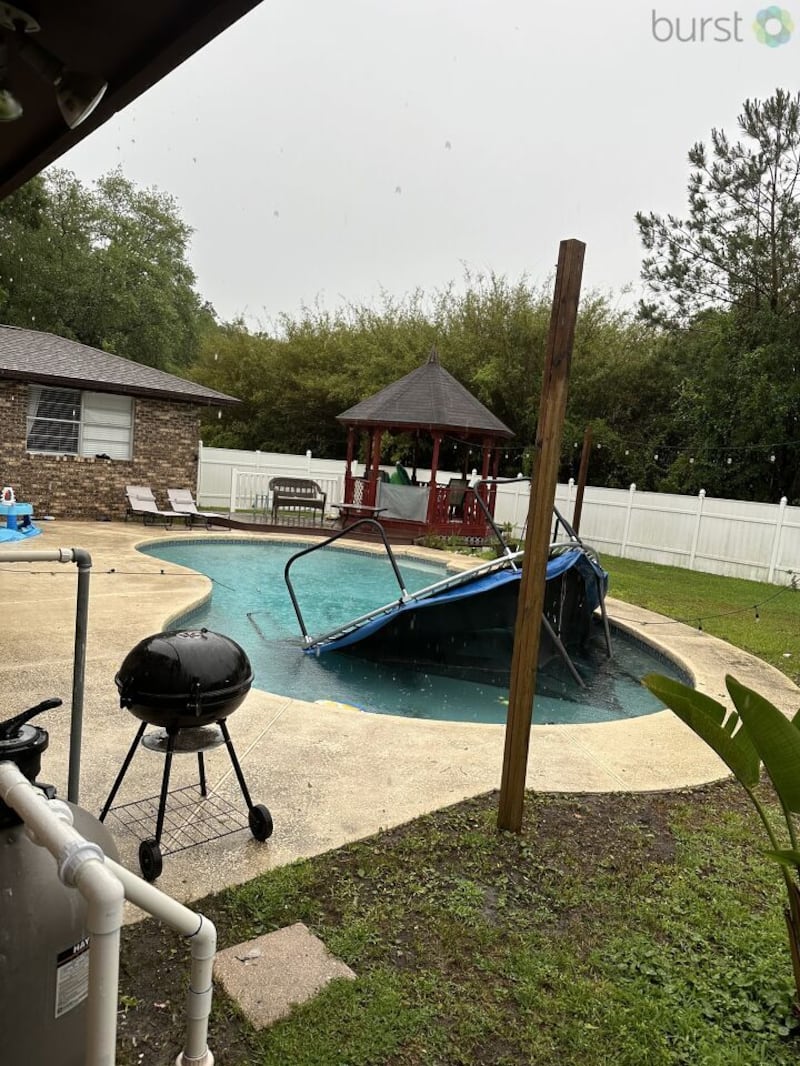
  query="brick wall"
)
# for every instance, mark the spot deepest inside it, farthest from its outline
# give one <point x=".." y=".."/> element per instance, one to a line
<point x="165" y="437"/>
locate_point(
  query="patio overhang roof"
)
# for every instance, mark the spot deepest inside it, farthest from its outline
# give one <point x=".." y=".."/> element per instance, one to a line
<point x="132" y="45"/>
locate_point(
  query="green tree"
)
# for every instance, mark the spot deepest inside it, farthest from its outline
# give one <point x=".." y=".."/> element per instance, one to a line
<point x="491" y="336"/>
<point x="740" y="244"/>
<point x="726" y="283"/>
<point x="106" y="266"/>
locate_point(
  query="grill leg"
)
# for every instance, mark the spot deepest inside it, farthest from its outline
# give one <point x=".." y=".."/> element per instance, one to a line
<point x="235" y="762"/>
<point x="162" y="802"/>
<point x="123" y="770"/>
<point x="201" y="766"/>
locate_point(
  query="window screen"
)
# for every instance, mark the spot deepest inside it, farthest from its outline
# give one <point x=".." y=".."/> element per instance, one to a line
<point x="68" y="422"/>
<point x="54" y="420"/>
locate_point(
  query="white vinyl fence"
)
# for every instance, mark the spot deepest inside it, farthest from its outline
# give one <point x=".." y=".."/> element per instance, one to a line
<point x="759" y="541"/>
<point x="233" y="480"/>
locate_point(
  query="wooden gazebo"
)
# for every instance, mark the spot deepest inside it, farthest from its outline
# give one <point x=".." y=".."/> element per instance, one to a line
<point x="431" y="401"/>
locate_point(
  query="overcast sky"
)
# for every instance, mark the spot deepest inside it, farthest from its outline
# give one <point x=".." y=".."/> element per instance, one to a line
<point x="323" y="150"/>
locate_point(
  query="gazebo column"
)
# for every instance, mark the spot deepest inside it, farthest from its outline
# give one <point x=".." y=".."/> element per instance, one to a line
<point x="348" y="469"/>
<point x="375" y="468"/>
<point x="437" y="440"/>
<point x="493" y="488"/>
<point x="486" y="451"/>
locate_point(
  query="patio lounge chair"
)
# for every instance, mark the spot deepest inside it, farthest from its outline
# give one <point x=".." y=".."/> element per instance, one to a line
<point x="182" y="501"/>
<point x="142" y="503"/>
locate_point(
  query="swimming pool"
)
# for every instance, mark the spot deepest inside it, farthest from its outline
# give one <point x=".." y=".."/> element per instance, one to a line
<point x="250" y="603"/>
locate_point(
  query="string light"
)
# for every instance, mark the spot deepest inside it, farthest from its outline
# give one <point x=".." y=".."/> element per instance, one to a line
<point x="791" y="586"/>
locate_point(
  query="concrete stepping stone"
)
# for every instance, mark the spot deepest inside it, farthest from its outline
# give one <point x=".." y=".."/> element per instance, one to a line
<point x="272" y="974"/>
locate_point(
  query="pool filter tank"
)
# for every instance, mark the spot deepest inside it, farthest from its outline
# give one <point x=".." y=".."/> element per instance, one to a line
<point x="44" y="948"/>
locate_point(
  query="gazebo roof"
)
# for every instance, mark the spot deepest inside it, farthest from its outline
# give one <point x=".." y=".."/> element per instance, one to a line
<point x="427" y="398"/>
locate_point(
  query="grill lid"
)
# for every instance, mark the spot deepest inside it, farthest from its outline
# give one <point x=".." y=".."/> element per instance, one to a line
<point x="194" y="671"/>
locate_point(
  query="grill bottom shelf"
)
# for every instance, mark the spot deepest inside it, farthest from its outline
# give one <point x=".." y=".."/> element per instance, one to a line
<point x="189" y="819"/>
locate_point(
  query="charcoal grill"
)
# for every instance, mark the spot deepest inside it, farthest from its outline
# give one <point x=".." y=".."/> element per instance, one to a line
<point x="186" y="683"/>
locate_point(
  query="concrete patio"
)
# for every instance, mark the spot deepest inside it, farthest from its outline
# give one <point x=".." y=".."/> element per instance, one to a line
<point x="328" y="775"/>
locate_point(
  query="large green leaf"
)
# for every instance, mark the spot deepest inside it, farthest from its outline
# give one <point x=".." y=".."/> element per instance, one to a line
<point x="785" y="858"/>
<point x="723" y="732"/>
<point x="775" y="738"/>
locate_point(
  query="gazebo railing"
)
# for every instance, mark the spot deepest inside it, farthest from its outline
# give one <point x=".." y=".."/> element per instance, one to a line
<point x="364" y="492"/>
<point x="467" y="519"/>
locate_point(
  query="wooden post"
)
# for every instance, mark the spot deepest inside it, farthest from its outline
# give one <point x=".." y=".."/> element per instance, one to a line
<point x="582" y="475"/>
<point x="437" y="440"/>
<point x="552" y="408"/>
<point x="348" y="468"/>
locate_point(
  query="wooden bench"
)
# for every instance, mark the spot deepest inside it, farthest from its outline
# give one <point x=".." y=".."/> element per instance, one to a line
<point x="298" y="494"/>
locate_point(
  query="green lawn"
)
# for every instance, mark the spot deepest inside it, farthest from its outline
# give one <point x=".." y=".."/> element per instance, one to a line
<point x="762" y="619"/>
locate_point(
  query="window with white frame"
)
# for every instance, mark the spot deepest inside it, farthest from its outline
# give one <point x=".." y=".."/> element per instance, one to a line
<point x="71" y="422"/>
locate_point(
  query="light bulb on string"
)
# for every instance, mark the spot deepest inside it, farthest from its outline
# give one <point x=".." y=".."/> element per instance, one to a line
<point x="729" y="460"/>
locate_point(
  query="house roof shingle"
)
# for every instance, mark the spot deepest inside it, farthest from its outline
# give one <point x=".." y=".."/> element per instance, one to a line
<point x="45" y="359"/>
<point x="427" y="398"/>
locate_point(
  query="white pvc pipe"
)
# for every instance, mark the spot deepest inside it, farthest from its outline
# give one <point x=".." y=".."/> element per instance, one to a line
<point x="59" y="555"/>
<point x="104" y="884"/>
<point x="99" y="886"/>
<point x="81" y="865"/>
<point x="203" y="936"/>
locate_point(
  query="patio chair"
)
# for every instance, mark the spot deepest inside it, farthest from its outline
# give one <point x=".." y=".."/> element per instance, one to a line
<point x="455" y="497"/>
<point x="142" y="503"/>
<point x="182" y="501"/>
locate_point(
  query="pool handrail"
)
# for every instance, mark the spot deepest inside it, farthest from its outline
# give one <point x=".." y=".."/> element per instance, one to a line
<point x="323" y="544"/>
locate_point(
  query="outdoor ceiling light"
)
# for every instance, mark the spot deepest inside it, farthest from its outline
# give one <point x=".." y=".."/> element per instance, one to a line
<point x="77" y="93"/>
<point x="10" y="107"/>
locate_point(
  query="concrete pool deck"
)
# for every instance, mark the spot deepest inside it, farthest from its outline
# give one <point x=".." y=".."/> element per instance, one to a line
<point x="328" y="775"/>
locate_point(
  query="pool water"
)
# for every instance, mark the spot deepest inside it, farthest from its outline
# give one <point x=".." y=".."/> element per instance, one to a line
<point x="251" y="604"/>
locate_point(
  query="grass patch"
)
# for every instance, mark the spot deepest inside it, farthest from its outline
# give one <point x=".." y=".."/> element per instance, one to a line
<point x="726" y="607"/>
<point x="638" y="930"/>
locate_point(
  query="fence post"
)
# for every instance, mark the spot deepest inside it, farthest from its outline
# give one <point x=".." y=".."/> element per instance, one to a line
<point x="627" y="529"/>
<point x="776" y="541"/>
<point x="234" y="486"/>
<point x="308" y="462"/>
<point x="697" y="521"/>
<point x="199" y="470"/>
<point x="519" y="528"/>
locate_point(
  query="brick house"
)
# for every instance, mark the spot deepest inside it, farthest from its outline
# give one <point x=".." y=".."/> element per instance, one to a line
<point x="77" y="425"/>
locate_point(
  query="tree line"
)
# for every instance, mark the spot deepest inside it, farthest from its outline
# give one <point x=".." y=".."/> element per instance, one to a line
<point x="698" y="387"/>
